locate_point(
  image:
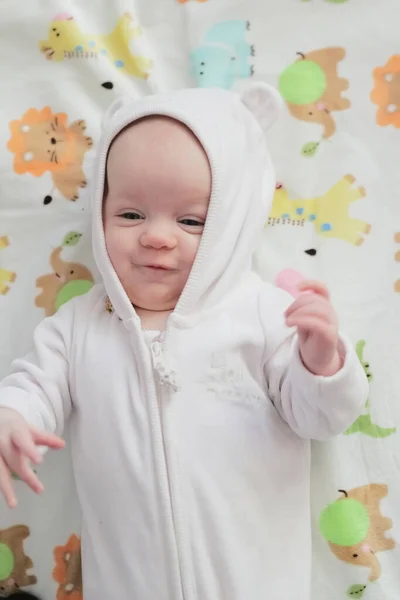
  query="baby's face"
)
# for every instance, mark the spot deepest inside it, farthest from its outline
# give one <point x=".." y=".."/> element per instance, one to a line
<point x="159" y="186"/>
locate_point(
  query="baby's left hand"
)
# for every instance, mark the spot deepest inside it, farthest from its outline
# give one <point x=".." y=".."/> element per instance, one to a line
<point x="317" y="328"/>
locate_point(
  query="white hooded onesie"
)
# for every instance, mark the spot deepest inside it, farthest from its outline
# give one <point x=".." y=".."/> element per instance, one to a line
<point x="191" y="452"/>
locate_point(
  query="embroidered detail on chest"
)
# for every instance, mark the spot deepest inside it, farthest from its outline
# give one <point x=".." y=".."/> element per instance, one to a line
<point x="225" y="378"/>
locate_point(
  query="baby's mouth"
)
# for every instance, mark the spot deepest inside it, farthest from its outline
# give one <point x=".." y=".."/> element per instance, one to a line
<point x="157" y="267"/>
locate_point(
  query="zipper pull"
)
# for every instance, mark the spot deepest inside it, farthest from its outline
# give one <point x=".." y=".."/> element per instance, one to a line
<point x="166" y="376"/>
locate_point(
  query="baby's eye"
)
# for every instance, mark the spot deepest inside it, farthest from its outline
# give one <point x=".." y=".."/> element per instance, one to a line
<point x="192" y="222"/>
<point x="133" y="216"/>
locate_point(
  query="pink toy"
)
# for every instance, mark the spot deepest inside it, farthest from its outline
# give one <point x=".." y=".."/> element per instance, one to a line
<point x="288" y="280"/>
<point x="63" y="17"/>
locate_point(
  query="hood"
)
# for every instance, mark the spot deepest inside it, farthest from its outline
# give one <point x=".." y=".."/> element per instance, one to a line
<point x="231" y="129"/>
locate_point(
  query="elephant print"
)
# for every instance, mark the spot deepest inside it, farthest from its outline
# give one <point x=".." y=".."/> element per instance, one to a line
<point x="16" y="568"/>
<point x="67" y="280"/>
<point x="313" y="90"/>
<point x="224" y="55"/>
<point x="356" y="530"/>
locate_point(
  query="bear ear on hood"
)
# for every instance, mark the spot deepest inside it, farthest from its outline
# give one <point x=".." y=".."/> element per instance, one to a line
<point x="264" y="102"/>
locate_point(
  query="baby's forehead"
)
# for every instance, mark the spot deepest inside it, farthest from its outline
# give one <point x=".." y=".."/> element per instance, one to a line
<point x="156" y="128"/>
<point x="157" y="140"/>
<point x="159" y="155"/>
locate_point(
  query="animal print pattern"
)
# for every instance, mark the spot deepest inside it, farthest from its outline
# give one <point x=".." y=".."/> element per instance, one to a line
<point x="386" y="92"/>
<point x="43" y="142"/>
<point x="329" y="214"/>
<point x="355" y="528"/>
<point x="364" y="423"/>
<point x="313" y="89"/>
<point x="67" y="41"/>
<point x="16" y="568"/>
<point x="67" y="571"/>
<point x="6" y="276"/>
<point x="67" y="280"/>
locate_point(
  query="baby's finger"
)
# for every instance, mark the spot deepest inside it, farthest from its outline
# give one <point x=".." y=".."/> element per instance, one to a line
<point x="320" y="310"/>
<point x="310" y="299"/>
<point x="314" y="325"/>
<point x="317" y="287"/>
<point x="42" y="438"/>
<point x="15" y="461"/>
<point x="6" y="485"/>
<point x="18" y="463"/>
<point x="23" y="442"/>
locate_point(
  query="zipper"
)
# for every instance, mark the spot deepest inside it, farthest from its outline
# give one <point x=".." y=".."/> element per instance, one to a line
<point x="154" y="391"/>
<point x="166" y="375"/>
<point x="166" y="378"/>
<point x="168" y="384"/>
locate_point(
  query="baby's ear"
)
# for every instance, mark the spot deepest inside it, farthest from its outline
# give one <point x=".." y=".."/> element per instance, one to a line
<point x="117" y="106"/>
<point x="264" y="102"/>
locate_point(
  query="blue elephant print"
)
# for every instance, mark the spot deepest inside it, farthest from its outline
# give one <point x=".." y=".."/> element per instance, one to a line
<point x="224" y="55"/>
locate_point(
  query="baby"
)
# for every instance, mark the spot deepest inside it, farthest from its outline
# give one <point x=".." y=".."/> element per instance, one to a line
<point x="193" y="388"/>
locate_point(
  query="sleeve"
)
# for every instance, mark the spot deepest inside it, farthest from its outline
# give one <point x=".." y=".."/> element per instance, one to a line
<point x="38" y="385"/>
<point x="314" y="407"/>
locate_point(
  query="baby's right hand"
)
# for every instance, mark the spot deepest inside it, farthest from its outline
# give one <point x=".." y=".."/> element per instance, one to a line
<point x="18" y="442"/>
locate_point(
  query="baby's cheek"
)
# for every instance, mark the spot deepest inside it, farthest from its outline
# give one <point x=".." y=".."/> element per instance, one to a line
<point x="116" y="245"/>
<point x="193" y="249"/>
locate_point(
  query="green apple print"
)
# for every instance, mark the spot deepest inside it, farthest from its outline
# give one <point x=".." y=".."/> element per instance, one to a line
<point x="345" y="522"/>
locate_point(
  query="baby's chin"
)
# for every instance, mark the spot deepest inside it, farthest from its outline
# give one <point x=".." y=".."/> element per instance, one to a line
<point x="154" y="302"/>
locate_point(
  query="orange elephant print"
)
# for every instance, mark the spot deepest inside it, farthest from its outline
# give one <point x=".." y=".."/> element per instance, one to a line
<point x="67" y="279"/>
<point x="16" y="568"/>
<point x="355" y="528"/>
<point x="43" y="142"/>
<point x="313" y="89"/>
<point x="386" y="92"/>
<point x="68" y="570"/>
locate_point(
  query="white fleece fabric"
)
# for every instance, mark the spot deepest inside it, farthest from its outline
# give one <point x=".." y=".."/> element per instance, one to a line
<point x="191" y="449"/>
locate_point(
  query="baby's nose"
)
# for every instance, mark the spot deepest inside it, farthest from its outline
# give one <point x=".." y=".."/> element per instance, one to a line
<point x="158" y="237"/>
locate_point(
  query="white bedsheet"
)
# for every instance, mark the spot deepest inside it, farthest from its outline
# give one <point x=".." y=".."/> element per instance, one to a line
<point x="336" y="217"/>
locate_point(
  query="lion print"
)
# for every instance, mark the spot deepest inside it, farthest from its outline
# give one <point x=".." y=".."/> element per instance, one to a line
<point x="42" y="142"/>
<point x="68" y="571"/>
<point x="386" y="92"/>
<point x="67" y="280"/>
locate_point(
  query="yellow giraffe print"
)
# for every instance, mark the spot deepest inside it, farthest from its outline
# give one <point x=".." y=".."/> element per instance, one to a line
<point x="5" y="275"/>
<point x="329" y="213"/>
<point x="66" y="40"/>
